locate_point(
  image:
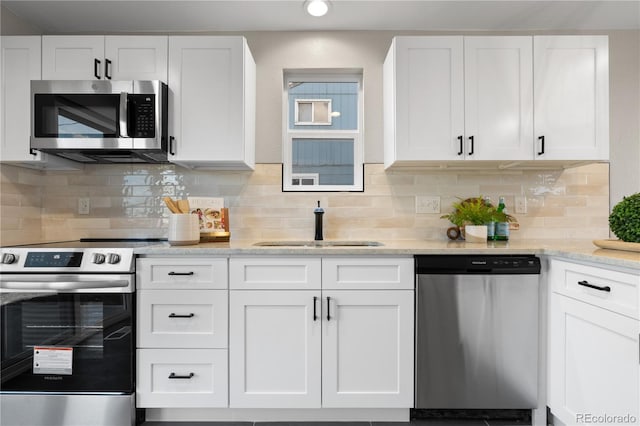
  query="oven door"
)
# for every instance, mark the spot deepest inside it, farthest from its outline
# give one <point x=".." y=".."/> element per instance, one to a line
<point x="77" y="338"/>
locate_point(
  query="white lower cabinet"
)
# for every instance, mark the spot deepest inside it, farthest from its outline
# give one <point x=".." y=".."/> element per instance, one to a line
<point x="182" y="332"/>
<point x="181" y="378"/>
<point x="594" y="370"/>
<point x="367" y="349"/>
<point x="274" y="349"/>
<point x="321" y="348"/>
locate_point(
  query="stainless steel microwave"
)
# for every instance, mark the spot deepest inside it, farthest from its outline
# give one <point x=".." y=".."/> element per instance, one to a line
<point x="96" y="121"/>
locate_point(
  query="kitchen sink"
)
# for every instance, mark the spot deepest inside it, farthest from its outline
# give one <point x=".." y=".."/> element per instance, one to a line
<point x="322" y="243"/>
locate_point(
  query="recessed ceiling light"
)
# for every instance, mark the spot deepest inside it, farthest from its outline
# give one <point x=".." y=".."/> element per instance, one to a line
<point x="317" y="7"/>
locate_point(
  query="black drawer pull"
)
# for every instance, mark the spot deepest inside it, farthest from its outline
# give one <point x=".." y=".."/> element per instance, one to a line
<point x="461" y="151"/>
<point x="180" y="273"/>
<point x="175" y="376"/>
<point x="328" y="308"/>
<point x="597" y="287"/>
<point x="172" y="315"/>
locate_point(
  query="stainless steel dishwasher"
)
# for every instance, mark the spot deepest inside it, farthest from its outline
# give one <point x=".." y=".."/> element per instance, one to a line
<point x="477" y="332"/>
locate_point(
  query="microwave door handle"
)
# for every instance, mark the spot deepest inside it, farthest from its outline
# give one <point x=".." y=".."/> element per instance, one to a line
<point x="124" y="119"/>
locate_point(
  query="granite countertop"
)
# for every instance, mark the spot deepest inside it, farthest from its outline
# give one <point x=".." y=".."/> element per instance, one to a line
<point x="578" y="250"/>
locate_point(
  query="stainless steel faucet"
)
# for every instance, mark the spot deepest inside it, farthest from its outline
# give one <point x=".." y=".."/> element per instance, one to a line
<point x="319" y="211"/>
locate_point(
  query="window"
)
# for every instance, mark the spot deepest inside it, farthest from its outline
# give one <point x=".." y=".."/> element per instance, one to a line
<point x="322" y="146"/>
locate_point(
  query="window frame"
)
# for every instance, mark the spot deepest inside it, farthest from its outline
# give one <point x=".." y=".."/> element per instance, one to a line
<point x="357" y="135"/>
<point x="296" y="113"/>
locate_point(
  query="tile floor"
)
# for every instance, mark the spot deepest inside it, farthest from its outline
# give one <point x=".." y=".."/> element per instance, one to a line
<point x="415" y="422"/>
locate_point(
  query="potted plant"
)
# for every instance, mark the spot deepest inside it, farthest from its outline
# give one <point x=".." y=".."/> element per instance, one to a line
<point x="471" y="216"/>
<point x="624" y="219"/>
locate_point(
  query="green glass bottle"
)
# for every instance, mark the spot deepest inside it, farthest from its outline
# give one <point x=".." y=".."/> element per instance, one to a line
<point x="502" y="228"/>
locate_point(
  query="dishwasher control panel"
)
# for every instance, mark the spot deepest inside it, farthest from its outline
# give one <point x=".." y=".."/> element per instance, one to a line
<point x="477" y="264"/>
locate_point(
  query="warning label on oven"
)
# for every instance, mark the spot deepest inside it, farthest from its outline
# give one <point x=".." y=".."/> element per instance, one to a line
<point x="52" y="360"/>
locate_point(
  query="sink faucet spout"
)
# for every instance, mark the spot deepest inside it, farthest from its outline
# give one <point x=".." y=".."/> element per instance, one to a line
<point x="318" y="212"/>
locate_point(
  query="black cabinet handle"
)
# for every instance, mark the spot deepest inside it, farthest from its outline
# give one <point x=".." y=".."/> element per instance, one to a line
<point x="172" y="315"/>
<point x="328" y="308"/>
<point x="33" y="152"/>
<point x="597" y="287"/>
<point x="315" y="312"/>
<point x="96" y="68"/>
<point x="471" y="139"/>
<point x="541" y="139"/>
<point x="106" y="69"/>
<point x="180" y="273"/>
<point x="175" y="376"/>
<point x="171" y="139"/>
<point x="461" y="145"/>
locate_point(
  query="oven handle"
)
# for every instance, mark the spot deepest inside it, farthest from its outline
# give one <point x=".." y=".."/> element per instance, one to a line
<point x="62" y="285"/>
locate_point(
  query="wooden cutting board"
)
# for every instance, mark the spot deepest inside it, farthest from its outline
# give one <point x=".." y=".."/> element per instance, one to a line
<point x="617" y="245"/>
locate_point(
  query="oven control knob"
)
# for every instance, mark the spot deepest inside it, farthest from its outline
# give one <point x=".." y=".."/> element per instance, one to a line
<point x="98" y="258"/>
<point x="113" y="258"/>
<point x="8" y="258"/>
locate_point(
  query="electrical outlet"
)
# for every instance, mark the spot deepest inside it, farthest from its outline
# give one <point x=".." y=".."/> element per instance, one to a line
<point x="84" y="205"/>
<point x="427" y="204"/>
<point x="521" y="205"/>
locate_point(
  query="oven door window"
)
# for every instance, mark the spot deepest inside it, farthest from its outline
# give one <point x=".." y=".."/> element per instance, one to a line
<point x="76" y="115"/>
<point x="85" y="342"/>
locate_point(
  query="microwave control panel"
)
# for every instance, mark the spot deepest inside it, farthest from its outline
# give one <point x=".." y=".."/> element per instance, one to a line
<point x="142" y="116"/>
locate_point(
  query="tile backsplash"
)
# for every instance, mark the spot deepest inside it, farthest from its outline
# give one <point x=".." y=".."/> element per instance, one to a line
<point x="125" y="201"/>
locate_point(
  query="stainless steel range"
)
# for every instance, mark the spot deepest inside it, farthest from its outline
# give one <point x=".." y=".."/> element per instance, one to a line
<point x="67" y="334"/>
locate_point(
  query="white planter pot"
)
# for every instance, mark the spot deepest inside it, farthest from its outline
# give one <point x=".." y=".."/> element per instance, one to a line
<point x="475" y="233"/>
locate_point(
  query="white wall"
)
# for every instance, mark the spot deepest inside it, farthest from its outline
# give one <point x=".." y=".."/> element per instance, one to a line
<point x="624" y="77"/>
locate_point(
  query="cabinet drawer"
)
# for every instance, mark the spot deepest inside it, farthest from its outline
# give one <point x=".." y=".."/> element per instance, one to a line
<point x="187" y="319"/>
<point x="352" y="273"/>
<point x="181" y="378"/>
<point x="181" y="273"/>
<point x="258" y="273"/>
<point x="607" y="288"/>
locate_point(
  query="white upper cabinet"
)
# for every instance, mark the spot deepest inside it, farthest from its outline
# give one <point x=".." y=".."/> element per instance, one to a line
<point x="571" y="94"/>
<point x="104" y="57"/>
<point x="19" y="65"/>
<point x="498" y="83"/>
<point x="423" y="99"/>
<point x="496" y="99"/>
<point x="212" y="84"/>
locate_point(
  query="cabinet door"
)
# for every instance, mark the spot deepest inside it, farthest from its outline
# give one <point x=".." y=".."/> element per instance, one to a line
<point x="571" y="92"/>
<point x="136" y="57"/>
<point x="593" y="363"/>
<point x="72" y="57"/>
<point x="274" y="344"/>
<point x="207" y="100"/>
<point x="20" y="64"/>
<point x="498" y="74"/>
<point x="367" y="349"/>
<point x="423" y="80"/>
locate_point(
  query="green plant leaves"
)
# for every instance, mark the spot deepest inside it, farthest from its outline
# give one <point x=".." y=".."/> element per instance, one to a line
<point x="624" y="219"/>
